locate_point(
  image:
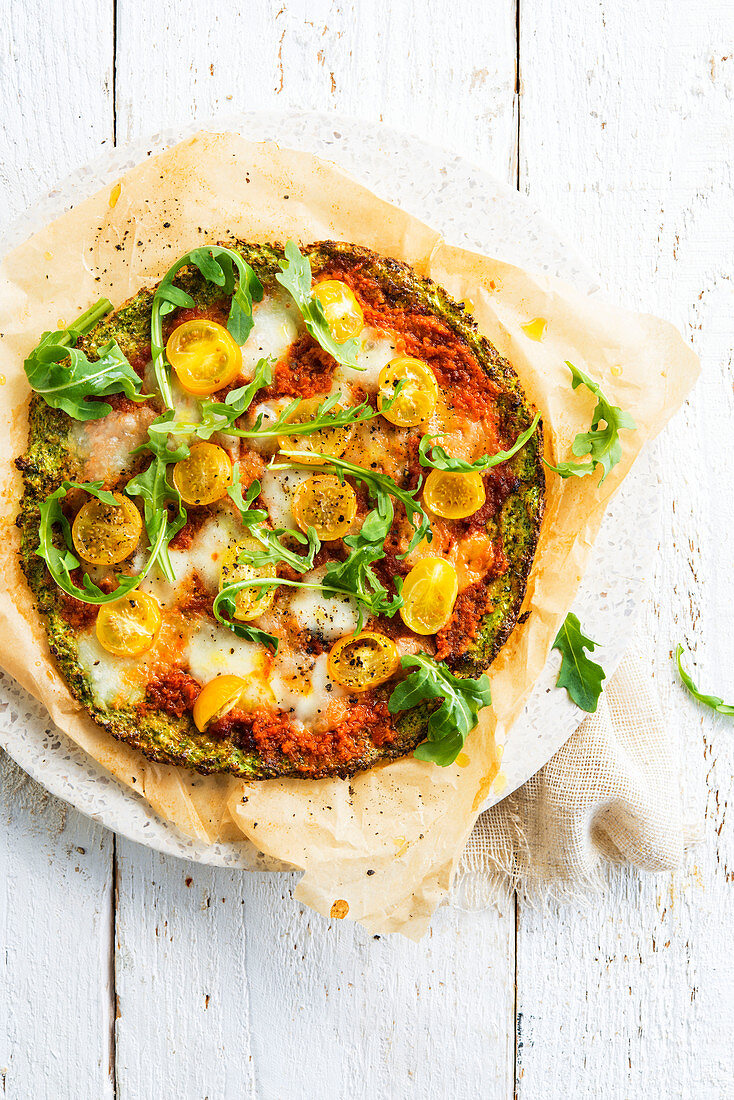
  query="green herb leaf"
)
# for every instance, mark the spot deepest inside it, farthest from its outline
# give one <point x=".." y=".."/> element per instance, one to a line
<point x="220" y="416"/>
<point x="434" y="456"/>
<point x="66" y="379"/>
<point x="356" y="574"/>
<point x="581" y="677"/>
<point x="711" y="701"/>
<point x="249" y="515"/>
<point x="381" y="487"/>
<point x="224" y="608"/>
<point x="157" y="494"/>
<point x="62" y="561"/>
<point x="295" y="276"/>
<point x="275" y="552"/>
<point x="217" y="264"/>
<point x="603" y="445"/>
<point x="450" y="724"/>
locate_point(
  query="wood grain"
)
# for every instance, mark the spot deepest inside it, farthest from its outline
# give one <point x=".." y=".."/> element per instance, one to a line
<point x="56" y="903"/>
<point x="218" y="984"/>
<point x="625" y="142"/>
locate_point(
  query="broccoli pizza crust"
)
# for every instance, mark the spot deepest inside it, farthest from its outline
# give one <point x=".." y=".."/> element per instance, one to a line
<point x="291" y="713"/>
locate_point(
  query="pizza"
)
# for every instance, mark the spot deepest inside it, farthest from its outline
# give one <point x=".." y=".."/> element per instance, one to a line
<point x="279" y="511"/>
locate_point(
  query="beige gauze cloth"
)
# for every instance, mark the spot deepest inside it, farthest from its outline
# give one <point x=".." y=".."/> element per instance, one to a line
<point x="384" y="847"/>
<point x="611" y="795"/>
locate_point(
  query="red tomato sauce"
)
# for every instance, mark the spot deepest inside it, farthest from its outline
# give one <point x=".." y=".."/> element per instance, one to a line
<point x="274" y="736"/>
<point x="425" y="336"/>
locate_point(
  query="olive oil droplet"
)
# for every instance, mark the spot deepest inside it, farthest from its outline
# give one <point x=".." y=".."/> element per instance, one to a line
<point x="535" y="329"/>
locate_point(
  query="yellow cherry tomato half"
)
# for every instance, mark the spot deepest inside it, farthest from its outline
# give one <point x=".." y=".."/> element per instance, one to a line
<point x="205" y="475"/>
<point x="105" y="534"/>
<point x="362" y="662"/>
<point x="429" y="592"/>
<point x="418" y="395"/>
<point x="454" y="495"/>
<point x="342" y="310"/>
<point x="324" y="442"/>
<point x="128" y="626"/>
<point x="216" y="699"/>
<point x="204" y="356"/>
<point x="249" y="602"/>
<point x="325" y="504"/>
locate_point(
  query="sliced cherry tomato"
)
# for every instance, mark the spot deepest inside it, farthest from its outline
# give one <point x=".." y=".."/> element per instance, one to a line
<point x="325" y="504"/>
<point x="429" y="592"/>
<point x="453" y="495"/>
<point x="216" y="699"/>
<point x="418" y="395"/>
<point x="325" y="441"/>
<point x="105" y="534"/>
<point x="342" y="310"/>
<point x="204" y="356"/>
<point x="362" y="662"/>
<point x="128" y="626"/>
<point x="249" y="602"/>
<point x="205" y="475"/>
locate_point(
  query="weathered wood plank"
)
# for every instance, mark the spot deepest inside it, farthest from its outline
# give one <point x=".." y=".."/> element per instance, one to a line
<point x="443" y="73"/>
<point x="365" y="1016"/>
<point x="56" y="66"/>
<point x="183" y="1026"/>
<point x="626" y="116"/>
<point x="55" y="866"/>
<point x="55" y="945"/>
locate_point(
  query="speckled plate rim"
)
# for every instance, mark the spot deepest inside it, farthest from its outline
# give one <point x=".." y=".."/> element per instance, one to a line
<point x="471" y="209"/>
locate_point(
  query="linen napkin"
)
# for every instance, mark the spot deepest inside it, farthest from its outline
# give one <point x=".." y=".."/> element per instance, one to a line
<point x="611" y="795"/>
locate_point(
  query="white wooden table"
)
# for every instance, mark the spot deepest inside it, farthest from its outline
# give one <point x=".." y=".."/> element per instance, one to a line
<point x="125" y="973"/>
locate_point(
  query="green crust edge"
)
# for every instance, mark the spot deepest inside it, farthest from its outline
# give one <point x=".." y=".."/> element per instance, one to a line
<point x="48" y="459"/>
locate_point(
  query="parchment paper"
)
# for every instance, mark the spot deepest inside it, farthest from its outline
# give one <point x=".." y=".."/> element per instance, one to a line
<point x="382" y="847"/>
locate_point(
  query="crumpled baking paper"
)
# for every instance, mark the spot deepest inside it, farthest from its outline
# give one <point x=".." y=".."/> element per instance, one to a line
<point x="382" y="847"/>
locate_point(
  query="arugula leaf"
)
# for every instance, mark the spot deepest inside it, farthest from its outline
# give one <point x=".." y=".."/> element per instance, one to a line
<point x="601" y="444"/>
<point x="581" y="677"/>
<point x="224" y="607"/>
<point x="380" y="487"/>
<point x="249" y="515"/>
<point x="157" y="494"/>
<point x="434" y="456"/>
<point x="324" y="417"/>
<point x="65" y="378"/>
<point x="450" y="724"/>
<point x="61" y="562"/>
<point x="711" y="701"/>
<point x="356" y="574"/>
<point x="220" y="416"/>
<point x="274" y="552"/>
<point x="295" y="276"/>
<point x="217" y="264"/>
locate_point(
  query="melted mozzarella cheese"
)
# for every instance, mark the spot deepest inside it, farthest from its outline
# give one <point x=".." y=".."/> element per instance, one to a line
<point x="214" y="650"/>
<point x="269" y="411"/>
<point x="278" y="487"/>
<point x="277" y="325"/>
<point x="302" y="687"/>
<point x="104" y="445"/>
<point x="203" y="557"/>
<point x="378" y="445"/>
<point x="320" y="613"/>
<point x="375" y="352"/>
<point x="110" y="677"/>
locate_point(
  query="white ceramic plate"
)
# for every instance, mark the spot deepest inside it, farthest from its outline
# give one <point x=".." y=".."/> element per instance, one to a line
<point x="471" y="209"/>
